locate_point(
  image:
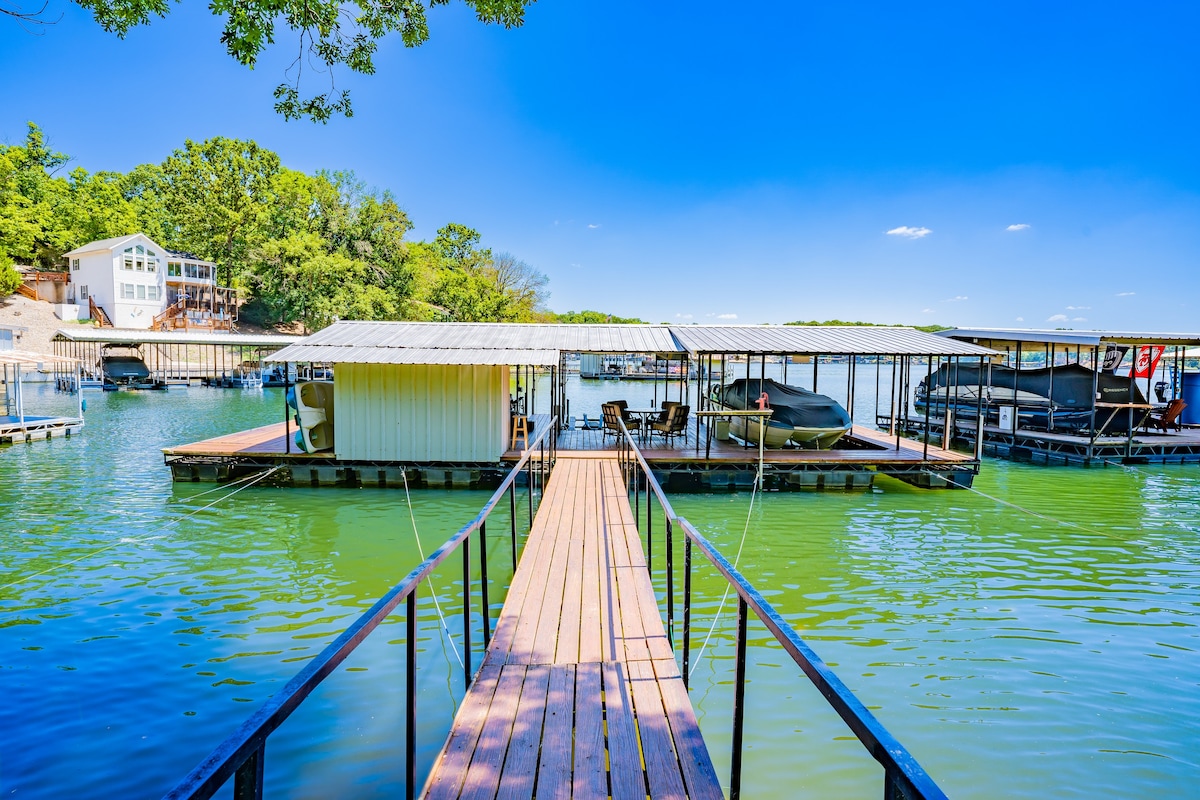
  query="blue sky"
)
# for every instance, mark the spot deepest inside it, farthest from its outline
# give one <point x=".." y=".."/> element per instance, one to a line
<point x="1025" y="164"/>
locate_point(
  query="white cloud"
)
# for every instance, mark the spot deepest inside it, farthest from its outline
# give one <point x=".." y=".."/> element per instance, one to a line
<point x="1020" y="226"/>
<point x="1078" y="308"/>
<point x="1079" y="319"/>
<point x="958" y="298"/>
<point x="726" y="316"/>
<point x="1126" y="294"/>
<point x="1020" y="319"/>
<point x="593" y="226"/>
<point x="1058" y="318"/>
<point x="683" y="316"/>
<point x="926" y="310"/>
<point x="909" y="233"/>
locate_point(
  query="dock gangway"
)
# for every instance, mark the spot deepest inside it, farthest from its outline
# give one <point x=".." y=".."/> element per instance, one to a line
<point x="579" y="693"/>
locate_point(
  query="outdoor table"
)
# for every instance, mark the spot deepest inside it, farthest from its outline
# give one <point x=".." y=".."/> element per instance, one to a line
<point x="646" y="415"/>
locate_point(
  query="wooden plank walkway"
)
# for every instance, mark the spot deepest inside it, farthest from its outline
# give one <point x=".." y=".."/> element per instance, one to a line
<point x="579" y="695"/>
<point x="266" y="440"/>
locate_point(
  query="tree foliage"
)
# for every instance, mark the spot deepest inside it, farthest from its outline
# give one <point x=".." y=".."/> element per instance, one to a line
<point x="330" y="34"/>
<point x="843" y="323"/>
<point x="307" y="249"/>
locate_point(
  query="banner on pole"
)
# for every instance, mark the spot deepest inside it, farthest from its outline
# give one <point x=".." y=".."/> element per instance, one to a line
<point x="1114" y="354"/>
<point x="1147" y="360"/>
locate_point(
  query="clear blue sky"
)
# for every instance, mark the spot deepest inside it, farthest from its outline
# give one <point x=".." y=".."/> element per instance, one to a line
<point x="713" y="161"/>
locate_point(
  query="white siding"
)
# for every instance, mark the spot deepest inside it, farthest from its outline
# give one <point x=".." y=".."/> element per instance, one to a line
<point x="405" y="412"/>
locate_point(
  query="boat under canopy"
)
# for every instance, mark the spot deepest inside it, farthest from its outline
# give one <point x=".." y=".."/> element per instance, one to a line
<point x="798" y="415"/>
<point x="1062" y="395"/>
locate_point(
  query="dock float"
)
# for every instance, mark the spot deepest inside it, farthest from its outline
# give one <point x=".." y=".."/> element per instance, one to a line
<point x="579" y="694"/>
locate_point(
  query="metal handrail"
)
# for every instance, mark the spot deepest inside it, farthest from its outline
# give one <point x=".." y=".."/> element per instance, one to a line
<point x="241" y="754"/>
<point x="903" y="776"/>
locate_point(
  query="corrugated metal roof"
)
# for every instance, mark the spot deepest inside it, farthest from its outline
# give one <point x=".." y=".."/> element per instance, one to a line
<point x="1083" y="338"/>
<point x="819" y="340"/>
<point x="83" y="333"/>
<point x="333" y="354"/>
<point x="502" y="343"/>
<point x="29" y="359"/>
<point x="499" y="336"/>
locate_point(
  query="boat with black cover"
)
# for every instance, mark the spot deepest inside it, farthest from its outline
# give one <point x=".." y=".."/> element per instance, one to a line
<point x="799" y="416"/>
<point x="1062" y="396"/>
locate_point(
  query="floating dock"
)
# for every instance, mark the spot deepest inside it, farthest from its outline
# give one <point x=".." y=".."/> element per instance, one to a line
<point x="689" y="463"/>
<point x="579" y="656"/>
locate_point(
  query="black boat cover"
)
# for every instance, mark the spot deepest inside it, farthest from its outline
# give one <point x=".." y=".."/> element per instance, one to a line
<point x="1072" y="387"/>
<point x="793" y="406"/>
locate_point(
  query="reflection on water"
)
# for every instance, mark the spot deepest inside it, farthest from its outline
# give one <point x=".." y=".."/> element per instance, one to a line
<point x="1010" y="653"/>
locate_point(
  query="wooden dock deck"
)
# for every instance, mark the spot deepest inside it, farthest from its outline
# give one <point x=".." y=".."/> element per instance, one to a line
<point x="579" y="695"/>
<point x="266" y="440"/>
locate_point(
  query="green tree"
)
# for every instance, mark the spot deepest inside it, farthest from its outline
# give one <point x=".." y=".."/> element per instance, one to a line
<point x="10" y="279"/>
<point x="218" y="195"/>
<point x="329" y="32"/>
<point x="31" y="202"/>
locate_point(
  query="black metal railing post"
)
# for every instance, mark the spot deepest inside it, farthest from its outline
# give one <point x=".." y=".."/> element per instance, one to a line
<point x="670" y="585"/>
<point x="466" y="551"/>
<point x="248" y="780"/>
<point x="687" y="608"/>
<point x="483" y="586"/>
<point x="649" y="529"/>
<point x="739" y="704"/>
<point x="410" y="688"/>
<point x="512" y="513"/>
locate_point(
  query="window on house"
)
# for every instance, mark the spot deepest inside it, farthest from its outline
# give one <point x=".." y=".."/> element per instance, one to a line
<point x="141" y="292"/>
<point x="203" y="271"/>
<point x="127" y="263"/>
<point x="141" y="251"/>
<point x="127" y="291"/>
<point x="174" y="269"/>
<point x="151" y="265"/>
<point x="141" y="264"/>
<point x="75" y="264"/>
<point x="189" y="270"/>
<point x="152" y="293"/>
<point x="83" y="292"/>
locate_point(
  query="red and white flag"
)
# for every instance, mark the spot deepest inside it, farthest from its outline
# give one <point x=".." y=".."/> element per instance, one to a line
<point x="1147" y="360"/>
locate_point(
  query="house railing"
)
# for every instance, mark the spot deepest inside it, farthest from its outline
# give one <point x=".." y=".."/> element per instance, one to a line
<point x="98" y="314"/>
<point x="903" y="776"/>
<point x="241" y="755"/>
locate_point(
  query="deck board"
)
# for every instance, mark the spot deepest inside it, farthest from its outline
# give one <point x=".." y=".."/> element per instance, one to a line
<point x="579" y="696"/>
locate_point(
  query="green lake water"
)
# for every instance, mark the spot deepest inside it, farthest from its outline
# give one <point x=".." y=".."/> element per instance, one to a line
<point x="1013" y="654"/>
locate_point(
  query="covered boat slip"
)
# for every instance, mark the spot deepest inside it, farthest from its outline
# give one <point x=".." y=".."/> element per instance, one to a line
<point x="172" y="357"/>
<point x="19" y="423"/>
<point x="455" y="401"/>
<point x="1072" y="397"/>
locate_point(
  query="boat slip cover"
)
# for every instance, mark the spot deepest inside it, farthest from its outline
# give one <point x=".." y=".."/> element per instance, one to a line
<point x="792" y="406"/>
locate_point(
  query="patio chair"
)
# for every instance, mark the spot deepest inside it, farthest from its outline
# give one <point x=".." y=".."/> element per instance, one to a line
<point x="666" y="410"/>
<point x="674" y="425"/>
<point x="1166" y="418"/>
<point x="610" y="414"/>
<point x="631" y="422"/>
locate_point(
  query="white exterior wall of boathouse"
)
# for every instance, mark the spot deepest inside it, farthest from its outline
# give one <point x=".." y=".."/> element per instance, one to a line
<point x="421" y="413"/>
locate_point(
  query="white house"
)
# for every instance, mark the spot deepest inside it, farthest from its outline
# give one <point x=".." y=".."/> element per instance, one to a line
<point x="132" y="282"/>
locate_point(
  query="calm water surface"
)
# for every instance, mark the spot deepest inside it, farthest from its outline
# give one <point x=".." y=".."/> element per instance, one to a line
<point x="1013" y="654"/>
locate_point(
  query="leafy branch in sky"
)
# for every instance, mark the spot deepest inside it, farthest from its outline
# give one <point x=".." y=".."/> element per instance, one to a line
<point x="329" y="34"/>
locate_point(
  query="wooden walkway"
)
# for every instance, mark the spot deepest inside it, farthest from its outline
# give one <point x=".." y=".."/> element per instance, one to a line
<point x="579" y="695"/>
